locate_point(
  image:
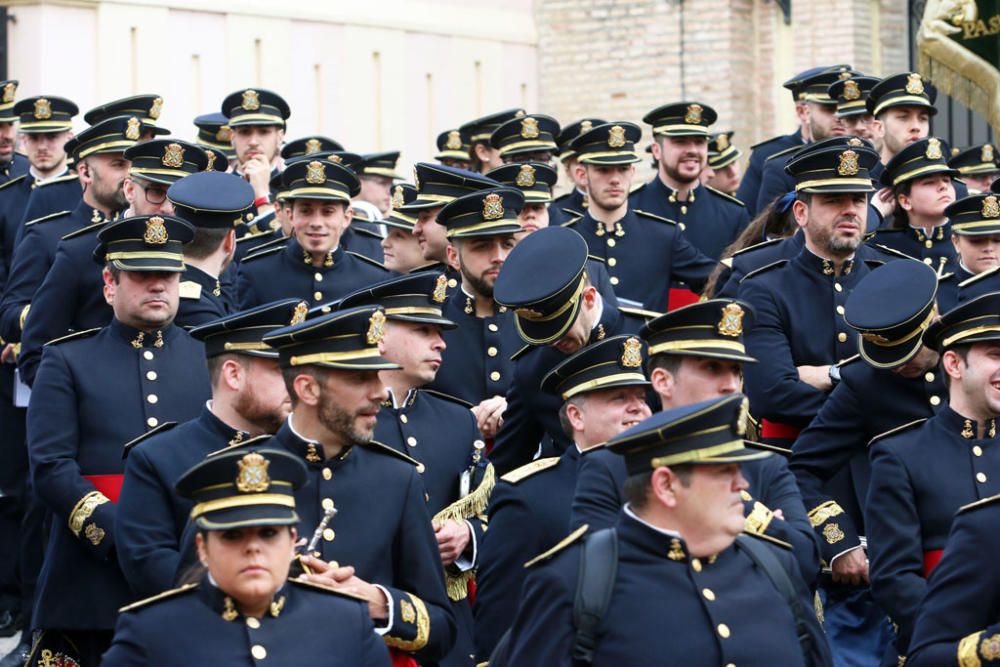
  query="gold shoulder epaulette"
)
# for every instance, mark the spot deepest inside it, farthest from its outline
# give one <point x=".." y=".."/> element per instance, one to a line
<point x="369" y="260"/>
<point x="757" y="246"/>
<point x="763" y="446"/>
<point x="130" y="445"/>
<point x="762" y="269"/>
<point x="325" y="589"/>
<point x="595" y="258"/>
<point x="16" y="179"/>
<point x="76" y="334"/>
<point x="173" y="592"/>
<point x="189" y="289"/>
<point x="249" y="442"/>
<point x="562" y="544"/>
<point x="639" y="312"/>
<point x="572" y="211"/>
<point x="786" y="151"/>
<point x="527" y="470"/>
<point x="898" y="429"/>
<point x="46" y="218"/>
<point x="979" y="276"/>
<point x="92" y="228"/>
<point x="725" y="196"/>
<point x="448" y="397"/>
<point x="647" y="214"/>
<point x="768" y="538"/>
<point x="571" y="221"/>
<point x="383" y="448"/>
<point x="59" y="179"/>
<point x="979" y="503"/>
<point x="257" y="253"/>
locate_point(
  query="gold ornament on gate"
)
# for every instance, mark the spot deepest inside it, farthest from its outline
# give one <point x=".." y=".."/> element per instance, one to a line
<point x="252" y="477"/>
<point x="492" y="207"/>
<point x="173" y="156"/>
<point x="156" y="232"/>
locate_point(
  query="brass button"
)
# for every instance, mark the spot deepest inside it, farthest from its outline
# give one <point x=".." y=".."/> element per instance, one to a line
<point x="421" y="469"/>
<point x="152" y="399"/>
<point x="452" y="283"/>
<point x="411" y="441"/>
<point x="928" y="244"/>
<point x="981" y="477"/>
<point x="977" y="450"/>
<point x="696" y="565"/>
<point x="935" y="400"/>
<point x="491" y="351"/>
<point x="723" y="630"/>
<point x="612" y="261"/>
<point x="708" y="593"/>
<point x="152" y="422"/>
<point x="611" y="243"/>
<point x="328" y="534"/>
<point x="684" y="210"/>
<point x="147" y="355"/>
<point x="327" y="504"/>
<point x="318" y="277"/>
<point x="495" y="376"/>
<point x="318" y="296"/>
<point x="404" y="418"/>
<point x="253" y="622"/>
<point x="928" y="261"/>
<point x="929" y="377"/>
<point x="614" y="280"/>
<point x="258" y="652"/>
<point x="840" y="310"/>
<point x="327" y="474"/>
<point x="151" y="376"/>
<point x="838" y="287"/>
<point x="493" y="327"/>
<point x="842" y="337"/>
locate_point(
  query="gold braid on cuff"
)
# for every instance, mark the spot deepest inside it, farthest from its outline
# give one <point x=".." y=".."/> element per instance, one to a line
<point x="967" y="655"/>
<point x="83" y="509"/>
<point x="423" y="623"/>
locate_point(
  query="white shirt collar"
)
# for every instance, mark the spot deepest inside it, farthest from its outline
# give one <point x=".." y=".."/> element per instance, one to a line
<point x="664" y="531"/>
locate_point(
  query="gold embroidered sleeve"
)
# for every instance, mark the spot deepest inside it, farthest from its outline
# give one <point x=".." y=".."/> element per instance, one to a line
<point x="968" y="655"/>
<point x="412" y="611"/>
<point x="759" y="519"/>
<point x="23" y="316"/>
<point x="83" y="509"/>
<point x="821" y="513"/>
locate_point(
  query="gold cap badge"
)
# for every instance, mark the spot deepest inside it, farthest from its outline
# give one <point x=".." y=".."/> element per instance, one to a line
<point x="632" y="353"/>
<point x="722" y="142"/>
<point x="529" y="128"/>
<point x="416" y="178"/>
<point x="693" y="115"/>
<point x="132" y="129"/>
<point x="225" y="134"/>
<point x="933" y="151"/>
<point x="731" y="323"/>
<point x="616" y="136"/>
<point x="987" y="154"/>
<point x="156" y="109"/>
<point x="397" y="197"/>
<point x="313" y="146"/>
<point x="251" y="100"/>
<point x="252" y="477"/>
<point x="173" y="156"/>
<point x="518" y="113"/>
<point x="454" y="141"/>
<point x="43" y="109"/>
<point x="440" y="289"/>
<point x="376" y="328"/>
<point x="299" y="314"/>
<point x="991" y="207"/>
<point x="315" y="173"/>
<point x="8" y="92"/>
<point x="492" y="207"/>
<point x="211" y="161"/>
<point x="586" y="126"/>
<point x="914" y="84"/>
<point x="744" y="417"/>
<point x="156" y="232"/>
<point x="525" y="177"/>
<point x="851" y="90"/>
<point x="848" y="163"/>
<point x="335" y="158"/>
<point x="854" y="141"/>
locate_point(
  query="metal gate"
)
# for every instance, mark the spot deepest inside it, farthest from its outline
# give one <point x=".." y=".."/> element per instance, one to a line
<point x="954" y="121"/>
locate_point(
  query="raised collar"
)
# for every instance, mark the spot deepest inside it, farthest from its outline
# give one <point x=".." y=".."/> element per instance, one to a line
<point x="310" y="450"/>
<point x="814" y="263"/>
<point x="140" y="339"/>
<point x="964" y="428"/>
<point x="299" y="256"/>
<point x="671" y="194"/>
<point x="408" y="400"/>
<point x="227" y="608"/>
<point x="232" y="436"/>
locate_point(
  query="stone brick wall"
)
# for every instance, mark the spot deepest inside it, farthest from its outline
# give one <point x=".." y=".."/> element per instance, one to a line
<point x="617" y="59"/>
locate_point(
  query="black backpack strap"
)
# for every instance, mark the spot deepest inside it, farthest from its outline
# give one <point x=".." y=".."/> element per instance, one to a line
<point x="765" y="559"/>
<point x="595" y="582"/>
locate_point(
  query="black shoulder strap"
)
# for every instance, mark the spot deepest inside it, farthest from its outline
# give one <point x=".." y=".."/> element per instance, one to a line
<point x="765" y="559"/>
<point x="595" y="582"/>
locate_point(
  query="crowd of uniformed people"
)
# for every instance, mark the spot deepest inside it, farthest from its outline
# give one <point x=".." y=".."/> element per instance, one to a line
<point x="266" y="402"/>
